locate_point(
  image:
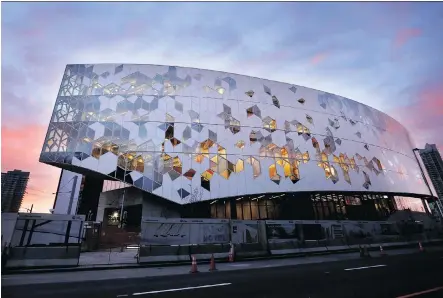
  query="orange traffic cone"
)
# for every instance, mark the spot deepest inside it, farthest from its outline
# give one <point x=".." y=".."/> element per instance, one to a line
<point x="420" y="247"/>
<point x="382" y="252"/>
<point x="193" y="265"/>
<point x="231" y="254"/>
<point x="212" y="264"/>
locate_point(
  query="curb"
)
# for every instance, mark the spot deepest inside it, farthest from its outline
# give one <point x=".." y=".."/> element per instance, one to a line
<point x="180" y="263"/>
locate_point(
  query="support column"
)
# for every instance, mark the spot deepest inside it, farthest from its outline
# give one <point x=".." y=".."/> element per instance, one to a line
<point x="233" y="205"/>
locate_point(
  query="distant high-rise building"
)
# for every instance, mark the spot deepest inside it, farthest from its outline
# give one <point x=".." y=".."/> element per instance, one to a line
<point x="434" y="165"/>
<point x="13" y="190"/>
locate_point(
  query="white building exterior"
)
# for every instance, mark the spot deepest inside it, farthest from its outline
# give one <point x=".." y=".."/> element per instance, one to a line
<point x="189" y="135"/>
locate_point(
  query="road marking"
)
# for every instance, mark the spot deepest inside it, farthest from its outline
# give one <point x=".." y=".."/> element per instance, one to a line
<point x="124" y="295"/>
<point x="421" y="293"/>
<point x="240" y="265"/>
<point x="367" y="267"/>
<point x="181" y="289"/>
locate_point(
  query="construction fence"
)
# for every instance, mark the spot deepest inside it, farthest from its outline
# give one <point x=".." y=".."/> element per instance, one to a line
<point x="41" y="240"/>
<point x="176" y="239"/>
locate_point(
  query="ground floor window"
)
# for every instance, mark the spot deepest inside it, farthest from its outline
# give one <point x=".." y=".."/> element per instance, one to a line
<point x="309" y="206"/>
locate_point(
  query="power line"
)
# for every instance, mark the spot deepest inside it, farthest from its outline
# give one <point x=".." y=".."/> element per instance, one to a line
<point x="34" y="189"/>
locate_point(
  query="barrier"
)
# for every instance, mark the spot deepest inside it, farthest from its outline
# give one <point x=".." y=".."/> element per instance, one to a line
<point x="163" y="253"/>
<point x="25" y="257"/>
<point x="249" y="250"/>
<point x="283" y="247"/>
<point x="205" y="251"/>
<point x="45" y="240"/>
<point x="176" y="239"/>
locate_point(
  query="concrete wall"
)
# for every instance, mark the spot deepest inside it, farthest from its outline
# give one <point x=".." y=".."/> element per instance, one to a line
<point x="64" y="192"/>
<point x="134" y="196"/>
<point x="29" y="257"/>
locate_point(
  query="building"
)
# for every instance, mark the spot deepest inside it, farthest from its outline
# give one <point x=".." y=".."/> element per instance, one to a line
<point x="13" y="190"/>
<point x="172" y="141"/>
<point x="434" y="166"/>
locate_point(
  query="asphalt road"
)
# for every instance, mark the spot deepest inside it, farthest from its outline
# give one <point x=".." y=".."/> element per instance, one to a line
<point x="419" y="275"/>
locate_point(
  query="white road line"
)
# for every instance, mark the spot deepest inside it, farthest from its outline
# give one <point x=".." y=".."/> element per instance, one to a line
<point x="124" y="295"/>
<point x="240" y="265"/>
<point x="181" y="289"/>
<point x="421" y="293"/>
<point x="367" y="267"/>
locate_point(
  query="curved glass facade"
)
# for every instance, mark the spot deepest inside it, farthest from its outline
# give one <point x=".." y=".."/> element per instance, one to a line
<point x="189" y="135"/>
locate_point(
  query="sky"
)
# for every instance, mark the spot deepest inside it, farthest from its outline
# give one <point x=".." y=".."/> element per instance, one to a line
<point x="386" y="55"/>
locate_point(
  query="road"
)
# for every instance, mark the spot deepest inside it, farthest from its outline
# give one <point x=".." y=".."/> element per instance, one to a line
<point x="419" y="275"/>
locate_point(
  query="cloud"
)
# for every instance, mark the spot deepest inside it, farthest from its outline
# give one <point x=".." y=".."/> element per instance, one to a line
<point x="423" y="117"/>
<point x="30" y="109"/>
<point x="405" y="35"/>
<point x="21" y="148"/>
<point x="318" y="58"/>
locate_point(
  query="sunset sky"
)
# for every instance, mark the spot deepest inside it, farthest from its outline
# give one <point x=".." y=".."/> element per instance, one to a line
<point x="386" y="55"/>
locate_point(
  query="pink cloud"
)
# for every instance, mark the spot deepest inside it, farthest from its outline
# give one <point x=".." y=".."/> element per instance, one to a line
<point x="21" y="148"/>
<point x="424" y="117"/>
<point x="405" y="35"/>
<point x="318" y="58"/>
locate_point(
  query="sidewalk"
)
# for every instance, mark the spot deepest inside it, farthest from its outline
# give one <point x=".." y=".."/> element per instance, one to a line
<point x="117" y="259"/>
<point x="137" y="272"/>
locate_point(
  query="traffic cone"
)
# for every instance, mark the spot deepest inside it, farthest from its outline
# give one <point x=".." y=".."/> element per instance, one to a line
<point x="193" y="265"/>
<point x="420" y="247"/>
<point x="382" y="252"/>
<point x="231" y="254"/>
<point x="212" y="264"/>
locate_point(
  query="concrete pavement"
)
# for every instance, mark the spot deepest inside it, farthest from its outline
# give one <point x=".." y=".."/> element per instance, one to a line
<point x="117" y="259"/>
<point x="58" y="277"/>
<point x="348" y="275"/>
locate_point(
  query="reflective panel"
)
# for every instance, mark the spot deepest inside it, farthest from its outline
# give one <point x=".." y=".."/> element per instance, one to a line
<point x="240" y="144"/>
<point x="155" y="120"/>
